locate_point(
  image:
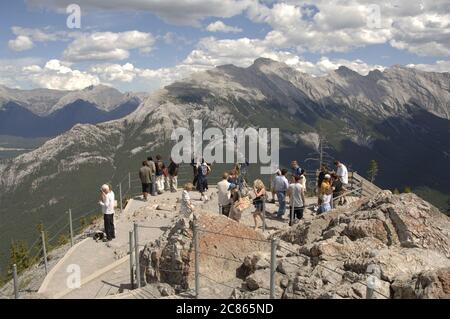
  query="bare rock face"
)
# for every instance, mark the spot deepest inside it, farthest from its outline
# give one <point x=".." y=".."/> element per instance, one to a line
<point x="171" y="259"/>
<point x="425" y="285"/>
<point x="398" y="245"/>
<point x="401" y="236"/>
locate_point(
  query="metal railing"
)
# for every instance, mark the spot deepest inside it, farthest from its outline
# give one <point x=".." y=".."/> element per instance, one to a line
<point x="129" y="187"/>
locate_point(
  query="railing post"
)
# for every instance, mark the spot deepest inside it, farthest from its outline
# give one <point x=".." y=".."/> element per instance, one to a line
<point x="120" y="197"/>
<point x="44" y="252"/>
<point x="136" y="255"/>
<point x="291" y="212"/>
<point x="264" y="215"/>
<point x="129" y="180"/>
<point x="331" y="201"/>
<point x="372" y="280"/>
<point x="131" y="259"/>
<point x="71" y="227"/>
<point x="16" y="282"/>
<point x="153" y="185"/>
<point x="273" y="259"/>
<point x="220" y="209"/>
<point x="197" y="259"/>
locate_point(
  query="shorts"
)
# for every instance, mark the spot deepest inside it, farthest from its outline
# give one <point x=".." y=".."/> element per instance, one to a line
<point x="146" y="187"/>
<point x="258" y="205"/>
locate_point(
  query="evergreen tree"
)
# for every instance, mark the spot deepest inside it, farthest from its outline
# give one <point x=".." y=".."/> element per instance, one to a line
<point x="19" y="255"/>
<point x="407" y="190"/>
<point x="396" y="191"/>
<point x="372" y="171"/>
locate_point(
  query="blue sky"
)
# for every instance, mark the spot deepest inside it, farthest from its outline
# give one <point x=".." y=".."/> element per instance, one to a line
<point x="146" y="44"/>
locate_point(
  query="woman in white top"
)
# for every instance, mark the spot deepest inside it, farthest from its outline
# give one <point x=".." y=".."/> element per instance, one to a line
<point x="186" y="207"/>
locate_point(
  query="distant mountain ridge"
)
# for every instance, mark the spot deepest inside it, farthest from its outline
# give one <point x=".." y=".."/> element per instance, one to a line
<point x="399" y="117"/>
<point x="43" y="112"/>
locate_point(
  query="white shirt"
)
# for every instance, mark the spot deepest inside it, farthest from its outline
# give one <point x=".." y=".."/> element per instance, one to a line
<point x="280" y="184"/>
<point x="186" y="211"/>
<point x="108" y="204"/>
<point x="342" y="173"/>
<point x="223" y="194"/>
<point x="295" y="191"/>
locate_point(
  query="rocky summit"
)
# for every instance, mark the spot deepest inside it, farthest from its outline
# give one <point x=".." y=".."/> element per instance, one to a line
<point x="397" y="244"/>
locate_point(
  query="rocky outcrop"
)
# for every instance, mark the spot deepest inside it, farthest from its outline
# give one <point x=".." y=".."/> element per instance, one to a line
<point x="391" y="246"/>
<point x="171" y="259"/>
<point x="398" y="243"/>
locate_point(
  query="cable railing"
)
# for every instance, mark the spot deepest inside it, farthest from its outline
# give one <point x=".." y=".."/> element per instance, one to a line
<point x="128" y="187"/>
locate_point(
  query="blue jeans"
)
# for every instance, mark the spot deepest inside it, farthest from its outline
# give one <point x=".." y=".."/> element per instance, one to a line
<point x="282" y="201"/>
<point x="324" y="208"/>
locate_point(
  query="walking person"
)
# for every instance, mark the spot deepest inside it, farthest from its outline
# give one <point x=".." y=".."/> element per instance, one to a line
<point x="159" y="174"/>
<point x="202" y="181"/>
<point x="223" y="195"/>
<point x="151" y="164"/>
<point x="297" y="201"/>
<point x="195" y="165"/>
<point x="186" y="207"/>
<point x="145" y="175"/>
<point x="260" y="196"/>
<point x="342" y="174"/>
<point x="107" y="203"/>
<point x="281" y="185"/>
<point x="172" y="170"/>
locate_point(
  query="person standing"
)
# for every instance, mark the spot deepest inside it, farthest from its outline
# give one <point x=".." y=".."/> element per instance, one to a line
<point x="145" y="175"/>
<point x="281" y="185"/>
<point x="159" y="174"/>
<point x="107" y="204"/>
<point x="173" y="175"/>
<point x="272" y="186"/>
<point x="194" y="165"/>
<point x="186" y="207"/>
<point x="202" y="181"/>
<point x="260" y="196"/>
<point x="152" y="166"/>
<point x="296" y="170"/>
<point x="342" y="174"/>
<point x="296" y="194"/>
<point x="235" y="196"/>
<point x="223" y="195"/>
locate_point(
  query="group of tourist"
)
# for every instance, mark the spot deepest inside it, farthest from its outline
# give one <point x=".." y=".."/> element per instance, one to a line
<point x="156" y="177"/>
<point x="287" y="186"/>
<point x="331" y="187"/>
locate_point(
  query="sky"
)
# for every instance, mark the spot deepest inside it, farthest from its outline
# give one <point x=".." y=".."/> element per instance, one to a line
<point x="142" y="45"/>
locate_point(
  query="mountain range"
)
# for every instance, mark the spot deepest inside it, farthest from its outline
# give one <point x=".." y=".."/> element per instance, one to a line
<point x="399" y="117"/>
<point x="47" y="113"/>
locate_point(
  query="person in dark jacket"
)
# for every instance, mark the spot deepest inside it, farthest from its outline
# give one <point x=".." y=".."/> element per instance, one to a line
<point x="172" y="171"/>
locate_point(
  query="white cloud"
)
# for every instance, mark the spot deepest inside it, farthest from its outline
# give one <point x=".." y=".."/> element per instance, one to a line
<point x="115" y="72"/>
<point x="333" y="25"/>
<point x="439" y="66"/>
<point x="178" y="12"/>
<point x="219" y="26"/>
<point x="55" y="75"/>
<point x="106" y="46"/>
<point x="21" y="43"/>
